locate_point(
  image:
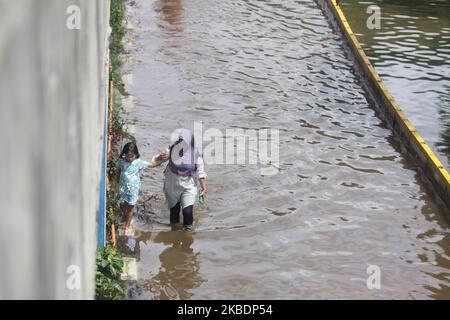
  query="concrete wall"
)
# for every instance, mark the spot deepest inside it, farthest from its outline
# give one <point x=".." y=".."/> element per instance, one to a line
<point x="52" y="95"/>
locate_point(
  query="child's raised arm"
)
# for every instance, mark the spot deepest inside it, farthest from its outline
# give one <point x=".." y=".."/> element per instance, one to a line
<point x="157" y="160"/>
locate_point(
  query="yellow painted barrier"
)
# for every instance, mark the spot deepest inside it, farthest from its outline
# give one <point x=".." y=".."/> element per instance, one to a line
<point x="411" y="141"/>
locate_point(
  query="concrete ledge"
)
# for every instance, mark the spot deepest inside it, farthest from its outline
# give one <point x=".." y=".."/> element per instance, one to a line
<point x="411" y="141"/>
<point x="129" y="269"/>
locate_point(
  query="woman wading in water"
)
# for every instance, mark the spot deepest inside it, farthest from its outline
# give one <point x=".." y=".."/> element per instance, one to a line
<point x="180" y="187"/>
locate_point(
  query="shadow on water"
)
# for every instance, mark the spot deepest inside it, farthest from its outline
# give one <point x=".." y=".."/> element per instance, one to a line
<point x="179" y="266"/>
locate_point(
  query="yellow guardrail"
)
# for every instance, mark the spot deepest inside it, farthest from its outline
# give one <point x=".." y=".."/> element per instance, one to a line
<point x="410" y="139"/>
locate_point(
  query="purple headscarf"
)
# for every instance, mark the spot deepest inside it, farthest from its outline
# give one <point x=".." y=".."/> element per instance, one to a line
<point x="183" y="153"/>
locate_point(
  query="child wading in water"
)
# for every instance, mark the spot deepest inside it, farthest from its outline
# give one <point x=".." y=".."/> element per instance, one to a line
<point x="130" y="166"/>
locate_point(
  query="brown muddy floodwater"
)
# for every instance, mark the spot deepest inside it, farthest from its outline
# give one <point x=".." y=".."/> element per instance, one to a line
<point x="411" y="52"/>
<point x="344" y="197"/>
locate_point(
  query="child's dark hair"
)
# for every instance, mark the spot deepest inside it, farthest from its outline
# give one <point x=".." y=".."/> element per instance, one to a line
<point x="130" y="146"/>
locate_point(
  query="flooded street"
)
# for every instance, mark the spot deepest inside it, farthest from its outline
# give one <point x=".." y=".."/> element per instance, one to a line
<point x="411" y="52"/>
<point x="344" y="198"/>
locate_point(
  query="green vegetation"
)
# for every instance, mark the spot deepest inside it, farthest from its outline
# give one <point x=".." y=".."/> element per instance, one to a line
<point x="117" y="22"/>
<point x="109" y="286"/>
<point x="116" y="51"/>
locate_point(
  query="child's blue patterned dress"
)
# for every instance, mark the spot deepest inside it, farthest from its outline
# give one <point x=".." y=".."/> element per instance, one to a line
<point x="130" y="180"/>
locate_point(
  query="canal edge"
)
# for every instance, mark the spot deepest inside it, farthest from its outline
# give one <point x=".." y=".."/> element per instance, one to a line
<point x="411" y="141"/>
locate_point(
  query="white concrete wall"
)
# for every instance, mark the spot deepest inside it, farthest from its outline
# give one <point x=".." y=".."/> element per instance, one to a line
<point x="52" y="93"/>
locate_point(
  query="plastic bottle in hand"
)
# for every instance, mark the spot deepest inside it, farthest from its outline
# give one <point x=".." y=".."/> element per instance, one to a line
<point x="201" y="199"/>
